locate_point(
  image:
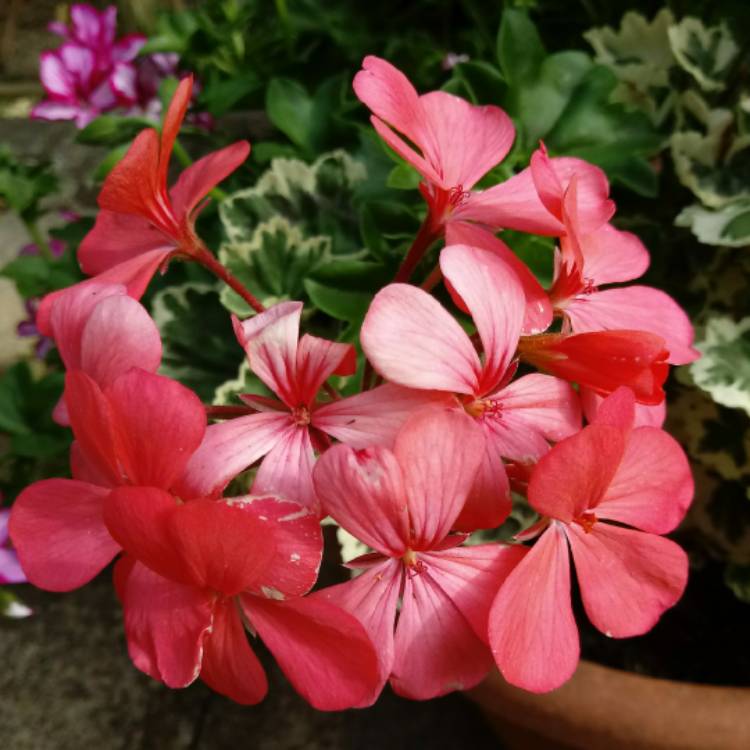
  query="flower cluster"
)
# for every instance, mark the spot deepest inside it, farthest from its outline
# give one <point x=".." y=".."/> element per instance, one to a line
<point x="452" y="422"/>
<point x="92" y="72"/>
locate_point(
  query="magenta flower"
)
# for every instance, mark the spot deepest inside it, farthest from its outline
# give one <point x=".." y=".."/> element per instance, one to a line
<point x="403" y="503"/>
<point x="412" y="340"/>
<point x="611" y="471"/>
<point x="10" y="568"/>
<point x="77" y="75"/>
<point x="286" y="432"/>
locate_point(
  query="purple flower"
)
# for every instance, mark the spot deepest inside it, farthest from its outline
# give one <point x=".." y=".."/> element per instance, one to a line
<point x="76" y="76"/>
<point x="10" y="568"/>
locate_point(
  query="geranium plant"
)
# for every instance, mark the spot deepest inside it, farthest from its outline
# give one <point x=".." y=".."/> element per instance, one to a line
<point x="466" y="389"/>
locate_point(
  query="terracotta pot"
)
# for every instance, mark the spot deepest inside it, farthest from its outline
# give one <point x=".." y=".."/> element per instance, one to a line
<point x="608" y="708"/>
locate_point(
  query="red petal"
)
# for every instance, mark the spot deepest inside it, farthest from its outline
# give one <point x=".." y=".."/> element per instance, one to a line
<point x="166" y="624"/>
<point x="57" y="529"/>
<point x="229" y="665"/>
<point x="324" y="651"/>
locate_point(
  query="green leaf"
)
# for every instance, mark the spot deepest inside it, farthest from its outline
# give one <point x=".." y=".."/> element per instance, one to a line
<point x="108" y="163"/>
<point x="520" y="50"/>
<point x="724" y="369"/>
<point x="404" y="177"/>
<point x="30" y="274"/>
<point x="729" y="226"/>
<point x="111" y="130"/>
<point x="12" y="385"/>
<point x="290" y="109"/>
<point x="737" y="577"/>
<point x="272" y="264"/>
<point x="479" y="82"/>
<point x="342" y="304"/>
<point x="221" y="95"/>
<point x="352" y="271"/>
<point x="199" y="349"/>
<point x="538" y="253"/>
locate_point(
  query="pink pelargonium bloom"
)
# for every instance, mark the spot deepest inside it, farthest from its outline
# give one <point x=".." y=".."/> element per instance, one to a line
<point x="10" y="569"/>
<point x="101" y="331"/>
<point x="413" y="341"/>
<point x="287" y="432"/>
<point x="141" y="224"/>
<point x="586" y="261"/>
<point x="138" y="430"/>
<point x="457" y="142"/>
<point x="404" y="503"/>
<point x="196" y="572"/>
<point x="610" y="471"/>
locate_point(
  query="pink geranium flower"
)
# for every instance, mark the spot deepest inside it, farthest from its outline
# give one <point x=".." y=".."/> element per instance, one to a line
<point x="609" y="472"/>
<point x="404" y="503"/>
<point x="189" y="560"/>
<point x="142" y="224"/>
<point x="451" y="143"/>
<point x="413" y="341"/>
<point x="286" y="432"/>
<point x="101" y="331"/>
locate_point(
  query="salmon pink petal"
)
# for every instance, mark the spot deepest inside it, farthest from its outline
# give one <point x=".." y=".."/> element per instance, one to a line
<point x="407" y="153"/>
<point x="199" y="179"/>
<point x="70" y="313"/>
<point x="270" y="342"/>
<point x="436" y="649"/>
<point x="363" y="491"/>
<point x="317" y="360"/>
<point x="532" y="631"/>
<point x="166" y="624"/>
<point x="439" y="453"/>
<point x="132" y="187"/>
<point x="653" y="486"/>
<point x="372" y="598"/>
<point x="227" y="449"/>
<point x="171" y="127"/>
<point x="223" y="546"/>
<point x="86" y="471"/>
<point x="138" y="519"/>
<point x="471" y="576"/>
<point x="159" y="425"/>
<point x="117" y="238"/>
<point x="639" y="308"/>
<point x="298" y="545"/>
<point x="644" y="416"/>
<point x="57" y="529"/>
<point x="627" y="578"/>
<point x="132" y="336"/>
<point x="611" y="256"/>
<point x="575" y="475"/>
<point x="538" y="314"/>
<point x="617" y="410"/>
<point x="229" y="665"/>
<point x="287" y="468"/>
<point x="494" y="297"/>
<point x="412" y="340"/>
<point x="91" y="418"/>
<point x="324" y="651"/>
<point x="525" y="416"/>
<point x="463" y="161"/>
<point x="488" y="503"/>
<point x="374" y="417"/>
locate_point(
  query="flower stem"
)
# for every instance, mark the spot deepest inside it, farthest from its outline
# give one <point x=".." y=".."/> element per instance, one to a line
<point x="207" y="260"/>
<point x="38" y="239"/>
<point x="426" y="235"/>
<point x="435" y="277"/>
<point x="227" y="412"/>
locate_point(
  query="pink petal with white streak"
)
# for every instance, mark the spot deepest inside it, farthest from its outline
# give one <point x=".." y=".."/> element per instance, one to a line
<point x="412" y="340"/>
<point x="439" y="453"/>
<point x="363" y="491"/>
<point x="436" y="649"/>
<point x="496" y="301"/>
